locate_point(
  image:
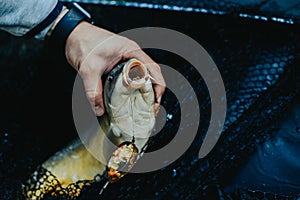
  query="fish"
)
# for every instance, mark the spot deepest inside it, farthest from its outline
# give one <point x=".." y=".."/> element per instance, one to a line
<point x="127" y="123"/>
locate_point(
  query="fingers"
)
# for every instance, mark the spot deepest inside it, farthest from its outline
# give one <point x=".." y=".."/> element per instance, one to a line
<point x="158" y="92"/>
<point x="93" y="88"/>
<point x="157" y="79"/>
<point x="95" y="99"/>
<point x="102" y="57"/>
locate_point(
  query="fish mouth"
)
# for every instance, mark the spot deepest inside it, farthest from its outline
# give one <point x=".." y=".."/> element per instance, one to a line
<point x="135" y="74"/>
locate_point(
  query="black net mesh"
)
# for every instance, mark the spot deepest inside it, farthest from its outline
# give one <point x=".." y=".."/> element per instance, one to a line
<point x="258" y="63"/>
<point x="258" y="195"/>
<point x="43" y="184"/>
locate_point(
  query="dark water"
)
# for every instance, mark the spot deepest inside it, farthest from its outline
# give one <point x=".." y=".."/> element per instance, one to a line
<point x="257" y="61"/>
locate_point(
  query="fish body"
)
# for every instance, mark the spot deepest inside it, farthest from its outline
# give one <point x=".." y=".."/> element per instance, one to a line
<point x="130" y="115"/>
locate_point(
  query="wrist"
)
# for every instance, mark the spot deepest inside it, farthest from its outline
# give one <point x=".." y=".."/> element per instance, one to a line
<point x="67" y="22"/>
<point x="77" y="45"/>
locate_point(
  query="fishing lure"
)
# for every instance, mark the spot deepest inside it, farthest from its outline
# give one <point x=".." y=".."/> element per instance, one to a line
<point x="122" y="161"/>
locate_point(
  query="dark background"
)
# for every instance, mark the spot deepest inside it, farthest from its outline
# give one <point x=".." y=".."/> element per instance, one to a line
<point x="257" y="59"/>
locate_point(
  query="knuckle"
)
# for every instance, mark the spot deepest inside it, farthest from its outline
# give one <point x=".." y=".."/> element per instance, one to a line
<point x="157" y="67"/>
<point x="133" y="44"/>
<point x="91" y="96"/>
<point x="130" y="44"/>
<point x="94" y="96"/>
<point x="86" y="70"/>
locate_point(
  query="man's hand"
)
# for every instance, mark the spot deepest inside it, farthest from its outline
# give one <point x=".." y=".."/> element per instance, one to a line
<point x="93" y="51"/>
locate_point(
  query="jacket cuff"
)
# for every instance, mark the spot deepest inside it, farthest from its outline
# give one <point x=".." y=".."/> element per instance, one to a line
<point x="40" y="30"/>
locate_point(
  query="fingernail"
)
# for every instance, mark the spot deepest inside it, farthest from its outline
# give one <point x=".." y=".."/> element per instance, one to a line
<point x="158" y="100"/>
<point x="99" y="111"/>
<point x="156" y="109"/>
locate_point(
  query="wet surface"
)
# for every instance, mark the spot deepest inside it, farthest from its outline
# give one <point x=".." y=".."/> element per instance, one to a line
<point x="257" y="61"/>
<point x="283" y="11"/>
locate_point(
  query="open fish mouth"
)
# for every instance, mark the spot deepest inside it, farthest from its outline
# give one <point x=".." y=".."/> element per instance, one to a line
<point x="128" y="123"/>
<point x="129" y="101"/>
<point x="135" y="74"/>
